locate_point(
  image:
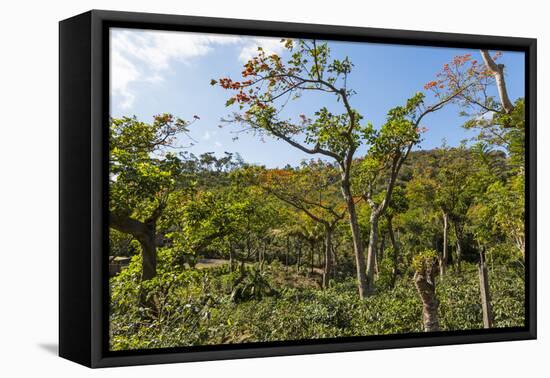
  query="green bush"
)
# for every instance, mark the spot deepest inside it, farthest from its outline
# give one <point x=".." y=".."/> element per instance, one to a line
<point x="198" y="307"/>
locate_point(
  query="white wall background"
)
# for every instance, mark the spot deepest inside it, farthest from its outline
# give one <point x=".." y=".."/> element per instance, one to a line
<point x="29" y="175"/>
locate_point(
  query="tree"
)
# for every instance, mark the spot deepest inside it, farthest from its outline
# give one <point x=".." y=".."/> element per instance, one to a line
<point x="390" y="147"/>
<point x="454" y="194"/>
<point x="427" y="217"/>
<point x="311" y="189"/>
<point x="500" y="123"/>
<point x="398" y="205"/>
<point x="269" y="83"/>
<point x="142" y="176"/>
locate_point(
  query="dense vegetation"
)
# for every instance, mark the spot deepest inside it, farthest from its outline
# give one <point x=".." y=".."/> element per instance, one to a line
<point x="394" y="240"/>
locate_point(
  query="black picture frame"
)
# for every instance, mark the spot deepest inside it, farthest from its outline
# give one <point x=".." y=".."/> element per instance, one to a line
<point x="83" y="167"/>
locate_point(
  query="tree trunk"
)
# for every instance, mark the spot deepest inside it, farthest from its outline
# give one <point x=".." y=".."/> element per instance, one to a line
<point x="145" y="234"/>
<point x="334" y="258"/>
<point x="425" y="285"/>
<point x="497" y="70"/>
<point x="148" y="247"/>
<point x="299" y="258"/>
<point x="357" y="242"/>
<point x="376" y="271"/>
<point x="520" y="243"/>
<point x="382" y="248"/>
<point x="371" y="251"/>
<point x="327" y="274"/>
<point x="458" y="246"/>
<point x="395" y="252"/>
<point x="261" y="254"/>
<point x="445" y="255"/>
<point x="312" y="247"/>
<point x="485" y="291"/>
<point x="287" y="252"/>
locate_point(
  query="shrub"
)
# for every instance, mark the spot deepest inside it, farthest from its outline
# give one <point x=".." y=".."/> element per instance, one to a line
<point x="199" y="307"/>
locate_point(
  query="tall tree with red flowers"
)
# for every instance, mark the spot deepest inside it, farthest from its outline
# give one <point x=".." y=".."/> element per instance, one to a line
<point x="269" y="82"/>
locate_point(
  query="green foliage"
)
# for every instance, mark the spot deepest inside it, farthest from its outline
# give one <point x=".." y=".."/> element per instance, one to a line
<point x="385" y="270"/>
<point x="460" y="306"/>
<point x="195" y="307"/>
<point x="250" y="285"/>
<point x="140" y="176"/>
<point x="424" y="260"/>
<point x="241" y="249"/>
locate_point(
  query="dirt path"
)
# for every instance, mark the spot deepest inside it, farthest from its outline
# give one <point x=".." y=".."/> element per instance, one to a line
<point x="210" y="263"/>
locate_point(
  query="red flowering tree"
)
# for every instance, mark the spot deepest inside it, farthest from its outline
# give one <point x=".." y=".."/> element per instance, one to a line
<point x="313" y="190"/>
<point x="269" y="82"/>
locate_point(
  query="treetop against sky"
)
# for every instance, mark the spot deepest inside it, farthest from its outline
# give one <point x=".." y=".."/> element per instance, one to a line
<point x="155" y="72"/>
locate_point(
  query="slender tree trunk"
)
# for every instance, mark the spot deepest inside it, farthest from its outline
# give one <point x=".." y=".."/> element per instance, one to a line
<point x="261" y="255"/>
<point x="334" y="258"/>
<point x="425" y="285"/>
<point x="485" y="291"/>
<point x="376" y="271"/>
<point x="327" y="274"/>
<point x="242" y="268"/>
<point x="299" y="258"/>
<point x="312" y="247"/>
<point x="371" y="251"/>
<point x="287" y="252"/>
<point x="381" y="249"/>
<point x="520" y="243"/>
<point x="357" y="242"/>
<point x="395" y="252"/>
<point x="445" y="255"/>
<point x="458" y="246"/>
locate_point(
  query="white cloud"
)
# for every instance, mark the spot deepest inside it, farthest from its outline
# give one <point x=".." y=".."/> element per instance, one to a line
<point x="206" y="136"/>
<point x="123" y="72"/>
<point x="269" y="45"/>
<point x="147" y="55"/>
<point x="217" y="144"/>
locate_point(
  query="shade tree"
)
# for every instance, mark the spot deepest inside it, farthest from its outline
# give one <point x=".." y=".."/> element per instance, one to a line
<point x="269" y="82"/>
<point x="142" y="175"/>
<point x="313" y="190"/>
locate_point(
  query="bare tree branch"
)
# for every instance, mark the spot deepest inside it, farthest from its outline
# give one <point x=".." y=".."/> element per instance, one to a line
<point x="497" y="70"/>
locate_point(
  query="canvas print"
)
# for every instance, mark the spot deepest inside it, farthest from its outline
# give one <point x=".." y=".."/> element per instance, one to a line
<point x="283" y="189"/>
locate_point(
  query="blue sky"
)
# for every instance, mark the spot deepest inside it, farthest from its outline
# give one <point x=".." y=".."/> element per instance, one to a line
<point x="155" y="72"/>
